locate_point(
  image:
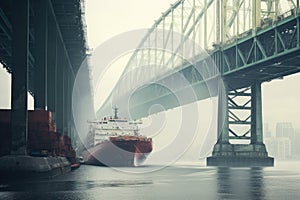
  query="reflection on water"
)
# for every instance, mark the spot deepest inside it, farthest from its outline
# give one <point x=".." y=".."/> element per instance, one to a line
<point x="175" y="183"/>
<point x="54" y="186"/>
<point x="240" y="182"/>
<point x="257" y="183"/>
<point x="224" y="184"/>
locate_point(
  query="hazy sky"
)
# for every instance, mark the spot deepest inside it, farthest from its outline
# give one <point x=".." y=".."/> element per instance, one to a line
<point x="281" y="101"/>
<point x="108" y="18"/>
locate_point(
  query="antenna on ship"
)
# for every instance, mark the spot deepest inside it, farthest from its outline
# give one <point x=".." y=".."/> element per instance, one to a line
<point x="116" y="112"/>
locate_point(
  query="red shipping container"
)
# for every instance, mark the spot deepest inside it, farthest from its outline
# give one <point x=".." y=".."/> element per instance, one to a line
<point x="39" y="126"/>
<point x="34" y="116"/>
<point x="42" y="135"/>
<point x="43" y="116"/>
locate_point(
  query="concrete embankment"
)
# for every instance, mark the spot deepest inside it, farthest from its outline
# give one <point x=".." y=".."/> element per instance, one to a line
<point x="17" y="167"/>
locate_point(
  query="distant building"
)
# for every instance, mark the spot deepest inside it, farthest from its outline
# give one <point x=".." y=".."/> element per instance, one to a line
<point x="285" y="144"/>
<point x="284" y="129"/>
<point x="280" y="148"/>
<point x="297" y="143"/>
<point x="284" y="148"/>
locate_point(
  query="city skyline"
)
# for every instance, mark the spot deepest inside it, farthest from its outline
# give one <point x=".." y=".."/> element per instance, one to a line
<point x="284" y="143"/>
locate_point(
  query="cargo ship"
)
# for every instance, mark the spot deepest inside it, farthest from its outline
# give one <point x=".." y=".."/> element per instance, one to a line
<point x="115" y="142"/>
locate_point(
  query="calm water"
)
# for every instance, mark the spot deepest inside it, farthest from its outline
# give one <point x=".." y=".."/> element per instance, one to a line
<point x="175" y="182"/>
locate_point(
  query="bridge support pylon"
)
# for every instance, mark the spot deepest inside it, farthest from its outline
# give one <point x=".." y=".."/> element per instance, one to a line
<point x="240" y="124"/>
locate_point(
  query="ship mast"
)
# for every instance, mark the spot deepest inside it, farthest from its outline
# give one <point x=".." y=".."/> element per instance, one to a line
<point x="116" y="112"/>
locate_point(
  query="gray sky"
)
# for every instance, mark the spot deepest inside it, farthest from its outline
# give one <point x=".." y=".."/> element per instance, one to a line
<point x="281" y="101"/>
<point x="108" y="18"/>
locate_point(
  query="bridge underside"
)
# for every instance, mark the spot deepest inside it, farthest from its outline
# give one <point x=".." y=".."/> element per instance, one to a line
<point x="263" y="55"/>
<point x="42" y="45"/>
<point x="159" y="93"/>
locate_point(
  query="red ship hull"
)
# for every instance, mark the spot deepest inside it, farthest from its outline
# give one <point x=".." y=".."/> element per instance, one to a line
<point x="119" y="151"/>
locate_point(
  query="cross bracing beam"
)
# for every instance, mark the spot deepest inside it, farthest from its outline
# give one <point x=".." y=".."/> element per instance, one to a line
<point x="239" y="109"/>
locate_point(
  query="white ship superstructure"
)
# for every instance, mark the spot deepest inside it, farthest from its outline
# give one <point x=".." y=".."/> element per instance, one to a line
<point x="101" y="130"/>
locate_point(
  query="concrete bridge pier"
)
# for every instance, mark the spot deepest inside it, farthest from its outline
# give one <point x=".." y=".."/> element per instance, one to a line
<point x="245" y="150"/>
<point x="52" y="75"/>
<point x="20" y="57"/>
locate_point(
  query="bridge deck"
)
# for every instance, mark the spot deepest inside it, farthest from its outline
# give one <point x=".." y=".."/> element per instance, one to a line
<point x="68" y="16"/>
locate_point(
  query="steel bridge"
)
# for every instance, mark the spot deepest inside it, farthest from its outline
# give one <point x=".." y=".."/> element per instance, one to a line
<point x="42" y="44"/>
<point x="214" y="48"/>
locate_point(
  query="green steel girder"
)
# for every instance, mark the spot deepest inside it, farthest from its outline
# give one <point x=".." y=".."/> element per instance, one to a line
<point x="261" y="47"/>
<point x="266" y="55"/>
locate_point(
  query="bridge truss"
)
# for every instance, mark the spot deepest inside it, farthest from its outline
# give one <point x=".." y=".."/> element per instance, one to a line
<point x="244" y="43"/>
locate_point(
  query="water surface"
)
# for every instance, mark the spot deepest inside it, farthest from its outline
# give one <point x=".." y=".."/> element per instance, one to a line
<point x="175" y="182"/>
